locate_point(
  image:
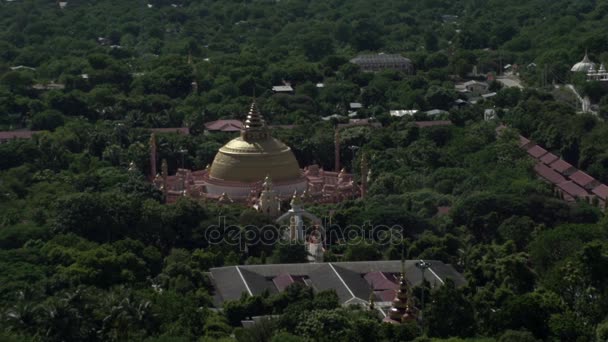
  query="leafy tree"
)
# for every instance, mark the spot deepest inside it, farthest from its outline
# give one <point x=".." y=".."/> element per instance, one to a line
<point x="288" y="253"/>
<point x="449" y="313"/>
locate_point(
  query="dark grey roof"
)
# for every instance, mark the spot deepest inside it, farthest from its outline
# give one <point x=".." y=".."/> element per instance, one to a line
<point x="380" y="58"/>
<point x="324" y="278"/>
<point x="257" y="283"/>
<point x="346" y="278"/>
<point x="356" y="283"/>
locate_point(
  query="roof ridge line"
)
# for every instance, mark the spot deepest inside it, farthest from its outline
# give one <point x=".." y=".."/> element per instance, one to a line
<point x="245" y="282"/>
<point x="436" y="276"/>
<point x="342" y="280"/>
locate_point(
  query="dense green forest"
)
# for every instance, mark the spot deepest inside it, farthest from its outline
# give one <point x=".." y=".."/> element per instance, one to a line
<point x="89" y="251"/>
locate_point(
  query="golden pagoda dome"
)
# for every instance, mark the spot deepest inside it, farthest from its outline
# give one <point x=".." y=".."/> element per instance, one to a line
<point x="254" y="155"/>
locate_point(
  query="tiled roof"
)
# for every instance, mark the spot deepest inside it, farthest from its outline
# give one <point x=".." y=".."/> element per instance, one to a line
<point x="443" y="210"/>
<point x="5" y="135"/>
<point x="536" y="151"/>
<point x="561" y="166"/>
<point x="282" y="281"/>
<point x="572" y="189"/>
<point x="380" y="281"/>
<point x="224" y="125"/>
<point x="548" y="174"/>
<point x="601" y="191"/>
<point x="346" y="278"/>
<point x="549" y="158"/>
<point x="581" y="178"/>
<point x="385" y="295"/>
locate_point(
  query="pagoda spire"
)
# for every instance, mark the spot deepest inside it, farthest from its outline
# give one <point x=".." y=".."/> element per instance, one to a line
<point x="254" y="127"/>
<point x="402" y="309"/>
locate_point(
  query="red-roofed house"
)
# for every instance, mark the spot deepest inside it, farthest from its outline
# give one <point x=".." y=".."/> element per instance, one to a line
<point x="584" y="180"/>
<point x="570" y="191"/>
<point x="549" y="158"/>
<point x="6" y="136"/>
<point x="564" y="168"/>
<point x="443" y="210"/>
<point x="224" y="126"/>
<point x="381" y="281"/>
<point x="548" y="174"/>
<point x="601" y="192"/>
<point x="536" y="151"/>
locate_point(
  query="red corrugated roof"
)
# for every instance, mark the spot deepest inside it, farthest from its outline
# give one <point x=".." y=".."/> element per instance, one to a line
<point x="601" y="191"/>
<point x="386" y="295"/>
<point x="380" y="281"/>
<point x="581" y="178"/>
<point x="536" y="151"/>
<point x="549" y="174"/>
<point x="561" y="166"/>
<point x="572" y="189"/>
<point x="224" y="125"/>
<point x="443" y="210"/>
<point x="549" y="158"/>
<point x="282" y="281"/>
<point x="5" y="135"/>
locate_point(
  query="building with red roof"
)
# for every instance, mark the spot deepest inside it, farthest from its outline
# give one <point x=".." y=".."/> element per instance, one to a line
<point x="601" y="192"/>
<point x="584" y="180"/>
<point x="6" y="136"/>
<point x="224" y="126"/>
<point x="536" y="151"/>
<point x="564" y="168"/>
<point x="571" y="192"/>
<point x="548" y="174"/>
<point x="549" y="158"/>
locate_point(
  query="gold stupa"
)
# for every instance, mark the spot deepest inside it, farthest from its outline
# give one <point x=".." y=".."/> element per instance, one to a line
<point x="255" y="155"/>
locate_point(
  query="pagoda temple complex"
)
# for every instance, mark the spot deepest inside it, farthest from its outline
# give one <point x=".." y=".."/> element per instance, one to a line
<point x="244" y="167"/>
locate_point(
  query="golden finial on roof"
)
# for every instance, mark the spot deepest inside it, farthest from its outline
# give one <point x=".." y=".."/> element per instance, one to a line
<point x="254" y="127"/>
